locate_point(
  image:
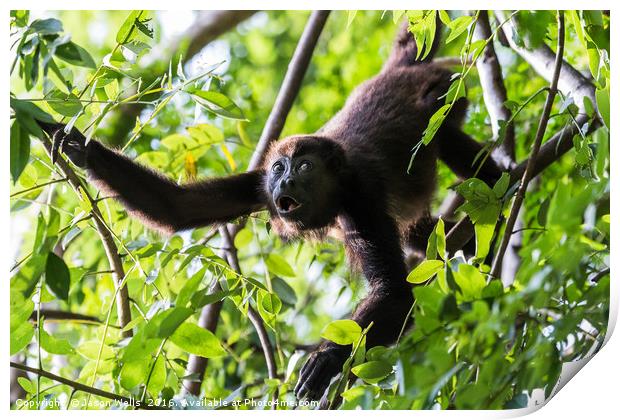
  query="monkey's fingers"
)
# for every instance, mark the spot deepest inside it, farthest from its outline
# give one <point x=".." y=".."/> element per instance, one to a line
<point x="58" y="140"/>
<point x="315" y="376"/>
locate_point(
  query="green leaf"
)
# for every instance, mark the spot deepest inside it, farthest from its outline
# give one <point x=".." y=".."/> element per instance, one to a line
<point x="350" y="16"/>
<point x="46" y="26"/>
<point x="602" y="101"/>
<point x="134" y="372"/>
<point x="458" y="26"/>
<point x="285" y="292"/>
<point x="342" y="332"/>
<point x="26" y="279"/>
<point x="484" y="235"/>
<point x="543" y="210"/>
<point x="434" y="123"/>
<point x="140" y="346"/>
<point x="436" y="244"/>
<point x="55" y="345"/>
<point x="20" y="309"/>
<point x="278" y="266"/>
<point x="372" y="372"/>
<point x="198" y="341"/>
<point x="173" y="320"/>
<point x="480" y="197"/>
<point x="206" y="134"/>
<point x="20" y="337"/>
<point x="92" y="367"/>
<point x="445" y="18"/>
<point x="534" y="25"/>
<point x="57" y="276"/>
<point x="143" y="27"/>
<point x="502" y="184"/>
<point x="90" y="350"/>
<point x="127" y="30"/>
<point x="424" y="271"/>
<point x="449" y="311"/>
<point x="66" y="105"/>
<point x="189" y="288"/>
<point x="76" y="55"/>
<point x="19" y="150"/>
<point x="201" y="299"/>
<point x="269" y="305"/>
<point x="21" y="17"/>
<point x="456" y="91"/>
<point x="26" y="112"/>
<point x="493" y="289"/>
<point x="158" y="377"/>
<point x="471" y="396"/>
<point x="422" y="24"/>
<point x="471" y="282"/>
<point x="28" y="386"/>
<point x="217" y="103"/>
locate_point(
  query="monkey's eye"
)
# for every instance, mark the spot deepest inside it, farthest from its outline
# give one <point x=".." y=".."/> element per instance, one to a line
<point x="277" y="168"/>
<point x="305" y="166"/>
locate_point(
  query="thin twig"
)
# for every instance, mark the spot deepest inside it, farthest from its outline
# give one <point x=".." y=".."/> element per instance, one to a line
<point x="116" y="264"/>
<point x="206" y="27"/>
<point x="233" y="260"/>
<point x="529" y="170"/>
<point x="600" y="275"/>
<point x="37" y="186"/>
<point x="58" y="315"/>
<point x="493" y="88"/>
<point x="81" y="387"/>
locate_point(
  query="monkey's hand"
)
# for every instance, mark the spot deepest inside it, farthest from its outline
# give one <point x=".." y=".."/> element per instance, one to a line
<point x="72" y="144"/>
<point x="316" y="374"/>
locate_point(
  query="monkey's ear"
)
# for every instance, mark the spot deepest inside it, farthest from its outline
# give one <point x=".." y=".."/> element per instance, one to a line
<point x="336" y="162"/>
<point x="336" y="159"/>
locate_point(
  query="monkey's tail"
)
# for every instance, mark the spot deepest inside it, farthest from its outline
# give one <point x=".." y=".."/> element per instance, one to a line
<point x="405" y="50"/>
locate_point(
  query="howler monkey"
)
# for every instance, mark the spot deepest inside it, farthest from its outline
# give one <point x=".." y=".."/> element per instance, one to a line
<point x="350" y="177"/>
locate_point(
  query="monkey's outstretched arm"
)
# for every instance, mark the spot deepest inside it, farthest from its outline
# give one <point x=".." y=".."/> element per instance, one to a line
<point x="157" y="200"/>
<point x="372" y="241"/>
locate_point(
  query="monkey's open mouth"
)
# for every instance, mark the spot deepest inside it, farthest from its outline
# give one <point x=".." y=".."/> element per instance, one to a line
<point x="287" y="204"/>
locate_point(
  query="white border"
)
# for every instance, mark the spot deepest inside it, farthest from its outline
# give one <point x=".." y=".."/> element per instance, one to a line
<point x="591" y="394"/>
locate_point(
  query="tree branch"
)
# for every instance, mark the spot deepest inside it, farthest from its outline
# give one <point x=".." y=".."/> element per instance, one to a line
<point x="116" y="264"/>
<point x="495" y="97"/>
<point x="598" y="276"/>
<point x="550" y="152"/>
<point x="55" y="314"/>
<point x="542" y="59"/>
<point x="233" y="260"/>
<point x="291" y="84"/>
<point x="81" y="387"/>
<point x="529" y="169"/>
<point x="570" y="81"/>
<point x="493" y="89"/>
<point x="208" y="26"/>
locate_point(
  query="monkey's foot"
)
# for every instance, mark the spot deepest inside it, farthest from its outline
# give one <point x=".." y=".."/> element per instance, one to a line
<point x="317" y="372"/>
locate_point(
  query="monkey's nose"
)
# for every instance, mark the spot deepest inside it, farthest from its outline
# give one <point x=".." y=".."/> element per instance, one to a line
<point x="287" y="183"/>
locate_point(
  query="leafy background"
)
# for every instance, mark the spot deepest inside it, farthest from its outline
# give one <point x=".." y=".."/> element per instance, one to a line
<point x="476" y="343"/>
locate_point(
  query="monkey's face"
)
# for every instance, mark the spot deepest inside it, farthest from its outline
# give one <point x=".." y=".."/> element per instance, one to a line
<point x="303" y="190"/>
